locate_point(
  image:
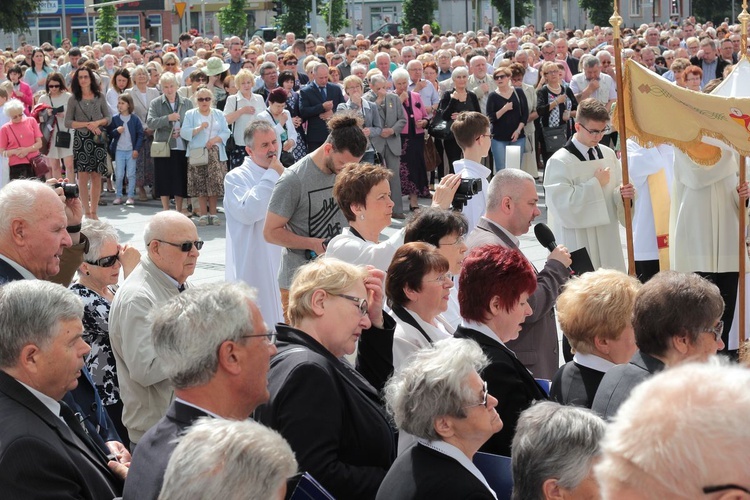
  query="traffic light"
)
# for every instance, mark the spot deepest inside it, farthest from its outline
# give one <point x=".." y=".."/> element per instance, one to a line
<point x="277" y="7"/>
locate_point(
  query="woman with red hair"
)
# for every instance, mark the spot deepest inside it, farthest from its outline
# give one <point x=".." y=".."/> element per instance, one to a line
<point x="493" y="294"/>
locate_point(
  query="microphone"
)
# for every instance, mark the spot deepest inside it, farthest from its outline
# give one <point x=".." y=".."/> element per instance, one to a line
<point x="545" y="236"/>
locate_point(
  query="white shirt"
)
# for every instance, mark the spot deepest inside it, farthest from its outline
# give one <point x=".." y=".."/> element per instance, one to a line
<point x="197" y="408"/>
<point x="474" y="208"/>
<point x="24" y="272"/>
<point x="481" y="328"/>
<point x="593" y="361"/>
<point x="50" y="403"/>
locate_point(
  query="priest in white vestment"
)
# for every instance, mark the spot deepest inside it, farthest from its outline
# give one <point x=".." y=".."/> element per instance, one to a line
<point x="584" y="191"/>
<point x="247" y="191"/>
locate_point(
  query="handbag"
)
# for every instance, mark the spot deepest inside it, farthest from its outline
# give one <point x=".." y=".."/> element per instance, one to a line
<point x="439" y="127"/>
<point x="160" y="149"/>
<point x="231" y="144"/>
<point x="431" y="157"/>
<point x="199" y="157"/>
<point x="40" y="165"/>
<point x="287" y="159"/>
<point x="554" y="138"/>
<point x="62" y="139"/>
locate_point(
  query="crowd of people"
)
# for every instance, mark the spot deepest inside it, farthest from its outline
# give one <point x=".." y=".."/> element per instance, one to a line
<point x="378" y="365"/>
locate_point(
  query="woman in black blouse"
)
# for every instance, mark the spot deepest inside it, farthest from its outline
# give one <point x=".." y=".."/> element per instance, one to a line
<point x="508" y="112"/>
<point x="452" y="103"/>
<point x="555" y="104"/>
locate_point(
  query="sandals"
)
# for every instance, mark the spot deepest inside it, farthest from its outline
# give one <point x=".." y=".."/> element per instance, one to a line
<point x="214" y="220"/>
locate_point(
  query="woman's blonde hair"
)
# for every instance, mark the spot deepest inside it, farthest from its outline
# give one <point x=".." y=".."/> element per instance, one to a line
<point x="325" y="273"/>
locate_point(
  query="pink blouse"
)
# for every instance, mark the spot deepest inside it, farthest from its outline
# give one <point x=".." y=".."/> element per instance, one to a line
<point x="19" y="135"/>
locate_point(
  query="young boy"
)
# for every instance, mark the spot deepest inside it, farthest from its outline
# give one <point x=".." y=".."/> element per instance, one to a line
<point x="472" y="133"/>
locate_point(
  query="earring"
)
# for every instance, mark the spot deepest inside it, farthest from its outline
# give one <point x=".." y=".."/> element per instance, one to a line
<point x="88" y="273"/>
<point x="361" y="216"/>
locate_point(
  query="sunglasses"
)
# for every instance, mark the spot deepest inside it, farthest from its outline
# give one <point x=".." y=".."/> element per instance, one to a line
<point x="105" y="261"/>
<point x="170" y="64"/>
<point x="185" y="246"/>
<point x="203" y="99"/>
<point x="361" y="303"/>
<point x="53" y="86"/>
<point x="290" y="63"/>
<point x="499" y="77"/>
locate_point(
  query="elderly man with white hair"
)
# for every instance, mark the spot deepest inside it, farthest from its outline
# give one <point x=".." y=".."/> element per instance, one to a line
<point x="229" y="459"/>
<point x="681" y="435"/>
<point x="218" y="370"/>
<point x="173" y="248"/>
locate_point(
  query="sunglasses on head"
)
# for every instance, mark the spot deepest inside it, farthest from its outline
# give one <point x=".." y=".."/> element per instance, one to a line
<point x="105" y="261"/>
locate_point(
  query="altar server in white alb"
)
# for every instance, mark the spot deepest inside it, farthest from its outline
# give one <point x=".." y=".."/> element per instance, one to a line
<point x="247" y="191"/>
<point x="584" y="190"/>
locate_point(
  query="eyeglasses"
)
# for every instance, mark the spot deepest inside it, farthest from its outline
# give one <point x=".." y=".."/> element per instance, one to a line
<point x="460" y="239"/>
<point x="203" y="99"/>
<point x="270" y="336"/>
<point x="483" y="402"/>
<point x="443" y="279"/>
<point x="53" y="86"/>
<point x="606" y="130"/>
<point x="717" y="330"/>
<point x="713" y="489"/>
<point x="499" y="77"/>
<point x="184" y="246"/>
<point x="105" y="261"/>
<point x="361" y="303"/>
<point x="290" y="63"/>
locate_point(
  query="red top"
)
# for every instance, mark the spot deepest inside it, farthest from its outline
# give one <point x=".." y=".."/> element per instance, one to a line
<point x="19" y="135"/>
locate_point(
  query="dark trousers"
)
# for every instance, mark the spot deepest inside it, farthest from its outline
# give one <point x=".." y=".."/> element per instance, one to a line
<point x="646" y="269"/>
<point x="727" y="283"/>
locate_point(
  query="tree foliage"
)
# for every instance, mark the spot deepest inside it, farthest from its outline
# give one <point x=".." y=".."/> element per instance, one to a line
<point x="710" y="10"/>
<point x="524" y="9"/>
<point x="416" y="14"/>
<point x="599" y="11"/>
<point x="294" y="18"/>
<point x="106" y="25"/>
<point x="233" y="18"/>
<point x="336" y="22"/>
<point x="14" y="15"/>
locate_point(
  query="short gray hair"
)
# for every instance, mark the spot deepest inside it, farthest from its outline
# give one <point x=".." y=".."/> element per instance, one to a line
<point x="188" y="330"/>
<point x="17" y="200"/>
<point x="233" y="459"/>
<point x="589" y="61"/>
<point x="507" y="182"/>
<point x="98" y="232"/>
<point x="553" y="442"/>
<point x="30" y="313"/>
<point x="399" y="74"/>
<point x="253" y="128"/>
<point x="461" y="70"/>
<point x="159" y="225"/>
<point x="13" y="107"/>
<point x="433" y="384"/>
<point x="375" y="79"/>
<point x="168" y="77"/>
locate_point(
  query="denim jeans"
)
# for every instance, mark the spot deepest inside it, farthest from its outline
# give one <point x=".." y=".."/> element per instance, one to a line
<point x="498" y="151"/>
<point x="124" y="165"/>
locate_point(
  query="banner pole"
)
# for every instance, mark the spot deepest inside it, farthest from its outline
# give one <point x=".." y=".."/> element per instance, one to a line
<point x="616" y="22"/>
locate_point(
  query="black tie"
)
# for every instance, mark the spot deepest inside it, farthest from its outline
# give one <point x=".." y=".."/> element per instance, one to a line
<point x="74" y="425"/>
<point x="181" y="288"/>
<point x="592" y="154"/>
<point x="323" y="92"/>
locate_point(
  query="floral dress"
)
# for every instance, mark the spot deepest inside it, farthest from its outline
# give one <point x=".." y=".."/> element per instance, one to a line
<point x="101" y="360"/>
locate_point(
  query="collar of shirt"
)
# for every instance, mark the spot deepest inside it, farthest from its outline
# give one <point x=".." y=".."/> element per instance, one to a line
<point x="50" y="403"/>
<point x="24" y="272"/>
<point x="457" y="455"/>
<point x="436" y="332"/>
<point x="186" y="403"/>
<point x="512" y="237"/>
<point x="481" y="328"/>
<point x="581" y="147"/>
<point x="593" y="361"/>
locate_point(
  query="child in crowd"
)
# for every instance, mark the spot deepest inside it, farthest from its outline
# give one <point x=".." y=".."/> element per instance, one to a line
<point x="126" y="132"/>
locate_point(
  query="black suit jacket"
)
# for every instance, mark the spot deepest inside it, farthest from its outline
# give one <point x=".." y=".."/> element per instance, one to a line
<point x="311" y="105"/>
<point x="8" y="273"/>
<point x="573" y="63"/>
<point x="151" y="457"/>
<point x="537" y="345"/>
<point x="508" y="381"/>
<point x="575" y="385"/>
<point x="39" y="456"/>
<point x="421" y="472"/>
<point x="331" y="415"/>
<point x="720" y="65"/>
<point x="619" y="382"/>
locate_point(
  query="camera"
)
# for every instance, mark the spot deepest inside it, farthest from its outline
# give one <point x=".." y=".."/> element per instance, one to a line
<point x="312" y="254"/>
<point x="69" y="190"/>
<point x="466" y="191"/>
